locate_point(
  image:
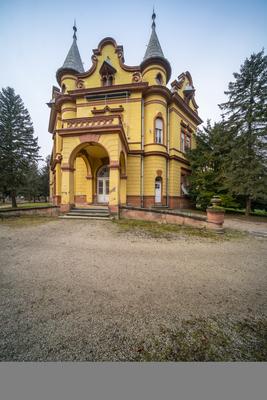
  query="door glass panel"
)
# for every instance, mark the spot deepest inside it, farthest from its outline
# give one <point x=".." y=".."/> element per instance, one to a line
<point x="100" y="186"/>
<point x="107" y="186"/>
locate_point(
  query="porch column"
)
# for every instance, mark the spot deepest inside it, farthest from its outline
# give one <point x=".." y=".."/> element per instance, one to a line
<point x="67" y="189"/>
<point x="114" y="188"/>
<point x="123" y="189"/>
<point x="89" y="190"/>
<point x="57" y="194"/>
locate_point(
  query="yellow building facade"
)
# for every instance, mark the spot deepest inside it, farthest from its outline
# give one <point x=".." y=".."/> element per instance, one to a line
<point x="119" y="133"/>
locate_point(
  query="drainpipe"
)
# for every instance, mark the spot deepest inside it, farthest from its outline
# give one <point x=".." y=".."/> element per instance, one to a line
<point x="142" y="155"/>
<point x="168" y="159"/>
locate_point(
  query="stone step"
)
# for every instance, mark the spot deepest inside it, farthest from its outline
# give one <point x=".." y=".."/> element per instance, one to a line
<point x="84" y="217"/>
<point x="104" y="214"/>
<point x="79" y="214"/>
<point x="93" y="210"/>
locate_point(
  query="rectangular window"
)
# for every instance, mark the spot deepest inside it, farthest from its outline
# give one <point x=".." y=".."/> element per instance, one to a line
<point x="184" y="185"/>
<point x="159" y="136"/>
<point x="185" y="140"/>
<point x="159" y="130"/>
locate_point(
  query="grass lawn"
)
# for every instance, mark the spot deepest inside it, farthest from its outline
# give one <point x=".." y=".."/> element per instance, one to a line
<point x="208" y="339"/>
<point x="26" y="205"/>
<point x="157" y="230"/>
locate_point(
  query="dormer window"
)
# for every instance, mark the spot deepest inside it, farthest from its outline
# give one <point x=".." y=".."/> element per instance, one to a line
<point x="107" y="72"/>
<point x="107" y="80"/>
<point x="159" y="79"/>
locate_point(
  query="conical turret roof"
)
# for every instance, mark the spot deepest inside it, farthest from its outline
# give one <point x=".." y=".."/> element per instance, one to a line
<point x="154" y="51"/>
<point x="154" y="48"/>
<point x="73" y="61"/>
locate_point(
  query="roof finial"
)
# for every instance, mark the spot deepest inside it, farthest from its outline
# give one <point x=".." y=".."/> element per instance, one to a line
<point x="153" y="19"/>
<point x="74" y="30"/>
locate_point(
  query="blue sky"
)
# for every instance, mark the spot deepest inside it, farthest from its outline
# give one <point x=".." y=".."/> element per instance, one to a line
<point x="211" y="39"/>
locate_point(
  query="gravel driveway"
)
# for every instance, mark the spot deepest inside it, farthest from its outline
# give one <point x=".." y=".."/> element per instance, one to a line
<point x="88" y="290"/>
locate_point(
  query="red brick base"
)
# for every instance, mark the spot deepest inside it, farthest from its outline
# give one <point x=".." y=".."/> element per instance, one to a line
<point x="134" y="201"/>
<point x="56" y="200"/>
<point x="149" y="202"/>
<point x="179" y="202"/>
<point x="64" y="208"/>
<point x="114" y="211"/>
<point x="80" y="199"/>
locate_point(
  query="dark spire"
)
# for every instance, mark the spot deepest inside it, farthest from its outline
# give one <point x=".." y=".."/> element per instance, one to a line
<point x="154" y="48"/>
<point x="154" y="51"/>
<point x="74" y="30"/>
<point x="153" y="19"/>
<point x="73" y="62"/>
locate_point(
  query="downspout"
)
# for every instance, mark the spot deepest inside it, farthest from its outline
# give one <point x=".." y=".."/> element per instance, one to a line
<point x="142" y="155"/>
<point x="168" y="158"/>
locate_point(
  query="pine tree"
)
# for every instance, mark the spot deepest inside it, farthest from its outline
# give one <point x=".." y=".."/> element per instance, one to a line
<point x="44" y="178"/>
<point x="31" y="187"/>
<point x="245" y="115"/>
<point x="18" y="147"/>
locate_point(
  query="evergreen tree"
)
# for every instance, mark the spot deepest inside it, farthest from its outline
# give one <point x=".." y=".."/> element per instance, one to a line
<point x="245" y="115"/>
<point x="18" y="147"/>
<point x="44" y="178"/>
<point x="208" y="165"/>
<point x="31" y="187"/>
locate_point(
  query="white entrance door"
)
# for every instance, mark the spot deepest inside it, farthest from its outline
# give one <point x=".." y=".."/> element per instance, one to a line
<point x="158" y="191"/>
<point x="103" y="185"/>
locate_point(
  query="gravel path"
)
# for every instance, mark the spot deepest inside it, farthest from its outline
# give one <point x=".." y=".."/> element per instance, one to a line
<point x="85" y="290"/>
<point x="254" y="227"/>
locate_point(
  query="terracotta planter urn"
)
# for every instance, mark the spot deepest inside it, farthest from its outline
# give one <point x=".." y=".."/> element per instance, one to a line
<point x="215" y="215"/>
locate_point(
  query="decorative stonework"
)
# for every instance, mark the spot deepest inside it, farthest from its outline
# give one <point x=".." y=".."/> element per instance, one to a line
<point x="80" y="84"/>
<point x="137" y="77"/>
<point x="88" y="122"/>
<point x="107" y="109"/>
<point x="89" y="138"/>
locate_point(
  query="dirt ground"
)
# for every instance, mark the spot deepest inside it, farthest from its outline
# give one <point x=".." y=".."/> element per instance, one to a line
<point x="92" y="290"/>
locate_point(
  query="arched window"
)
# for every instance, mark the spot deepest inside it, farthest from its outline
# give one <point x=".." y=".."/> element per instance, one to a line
<point x="159" y="131"/>
<point x="103" y="172"/>
<point x="63" y="89"/>
<point x="159" y="79"/>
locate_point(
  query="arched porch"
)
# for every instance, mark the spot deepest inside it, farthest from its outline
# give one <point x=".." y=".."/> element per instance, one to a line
<point x="94" y="178"/>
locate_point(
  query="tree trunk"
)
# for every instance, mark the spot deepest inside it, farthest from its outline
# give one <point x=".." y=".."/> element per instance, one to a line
<point x="13" y="197"/>
<point x="248" y="206"/>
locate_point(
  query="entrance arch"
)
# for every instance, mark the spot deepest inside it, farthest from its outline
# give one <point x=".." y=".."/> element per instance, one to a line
<point x="103" y="185"/>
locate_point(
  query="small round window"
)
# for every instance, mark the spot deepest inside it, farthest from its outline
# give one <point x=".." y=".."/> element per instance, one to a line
<point x="159" y="79"/>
